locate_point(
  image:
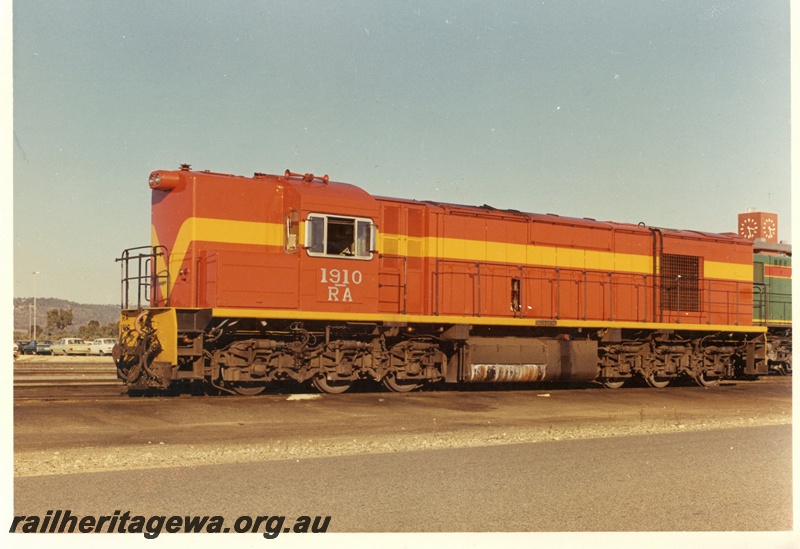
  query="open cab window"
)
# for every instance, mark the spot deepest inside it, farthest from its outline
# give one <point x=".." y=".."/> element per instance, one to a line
<point x="337" y="236"/>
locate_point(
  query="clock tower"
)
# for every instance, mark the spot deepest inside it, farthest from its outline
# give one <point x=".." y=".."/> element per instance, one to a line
<point x="759" y="225"/>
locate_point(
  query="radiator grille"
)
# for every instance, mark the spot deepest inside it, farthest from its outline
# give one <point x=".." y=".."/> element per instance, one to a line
<point x="680" y="282"/>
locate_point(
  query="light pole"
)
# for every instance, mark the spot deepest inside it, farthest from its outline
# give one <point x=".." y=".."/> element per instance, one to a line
<point x="34" y="303"/>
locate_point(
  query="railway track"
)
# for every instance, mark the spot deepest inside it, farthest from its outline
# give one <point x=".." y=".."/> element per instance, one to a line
<point x="86" y="377"/>
<point x="64" y="371"/>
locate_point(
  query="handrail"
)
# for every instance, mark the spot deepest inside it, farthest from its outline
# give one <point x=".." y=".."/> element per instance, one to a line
<point x="404" y="285"/>
<point x="716" y="300"/>
<point x="146" y="279"/>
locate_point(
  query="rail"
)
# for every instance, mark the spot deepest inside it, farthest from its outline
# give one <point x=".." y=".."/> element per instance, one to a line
<point x="71" y="371"/>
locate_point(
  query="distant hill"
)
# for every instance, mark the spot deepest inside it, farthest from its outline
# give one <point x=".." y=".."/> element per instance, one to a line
<point x="81" y="313"/>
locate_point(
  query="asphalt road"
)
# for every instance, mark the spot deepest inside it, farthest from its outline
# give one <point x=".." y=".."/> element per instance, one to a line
<point x="720" y="480"/>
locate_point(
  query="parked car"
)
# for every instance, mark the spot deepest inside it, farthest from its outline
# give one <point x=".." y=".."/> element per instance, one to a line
<point x="102" y="346"/>
<point x="16" y="350"/>
<point x="70" y="346"/>
<point x="37" y="347"/>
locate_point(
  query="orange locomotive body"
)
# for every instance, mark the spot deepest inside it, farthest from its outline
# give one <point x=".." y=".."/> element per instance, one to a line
<point x="250" y="281"/>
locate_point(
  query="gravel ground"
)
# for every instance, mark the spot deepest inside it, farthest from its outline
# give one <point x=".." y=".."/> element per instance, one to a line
<point x="311" y="443"/>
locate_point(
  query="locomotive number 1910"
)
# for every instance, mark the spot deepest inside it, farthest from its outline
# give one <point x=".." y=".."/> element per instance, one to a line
<point x="339" y="281"/>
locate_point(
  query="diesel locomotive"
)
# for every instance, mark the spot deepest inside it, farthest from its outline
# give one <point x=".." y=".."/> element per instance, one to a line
<point x="252" y="281"/>
<point x="772" y="306"/>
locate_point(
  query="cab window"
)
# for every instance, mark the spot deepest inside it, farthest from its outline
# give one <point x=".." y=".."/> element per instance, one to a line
<point x="337" y="236"/>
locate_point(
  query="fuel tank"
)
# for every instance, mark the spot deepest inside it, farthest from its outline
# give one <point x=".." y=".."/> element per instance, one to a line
<point x="516" y="359"/>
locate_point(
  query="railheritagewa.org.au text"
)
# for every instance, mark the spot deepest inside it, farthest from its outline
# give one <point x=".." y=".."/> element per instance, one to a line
<point x="63" y="521"/>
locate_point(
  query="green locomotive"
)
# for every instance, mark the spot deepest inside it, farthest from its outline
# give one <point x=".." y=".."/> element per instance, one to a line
<point x="772" y="301"/>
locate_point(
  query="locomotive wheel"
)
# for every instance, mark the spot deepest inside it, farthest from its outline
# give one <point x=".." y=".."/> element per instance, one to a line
<point x="704" y="381"/>
<point x="613" y="383"/>
<point x="395" y="385"/>
<point x="657" y="382"/>
<point x="333" y="387"/>
<point x="245" y="388"/>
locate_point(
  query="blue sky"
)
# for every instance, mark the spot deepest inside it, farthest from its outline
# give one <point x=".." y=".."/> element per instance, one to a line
<point x="673" y="113"/>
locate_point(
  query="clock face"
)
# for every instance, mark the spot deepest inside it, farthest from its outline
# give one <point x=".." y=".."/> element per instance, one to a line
<point x="748" y="228"/>
<point x="770" y="230"/>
